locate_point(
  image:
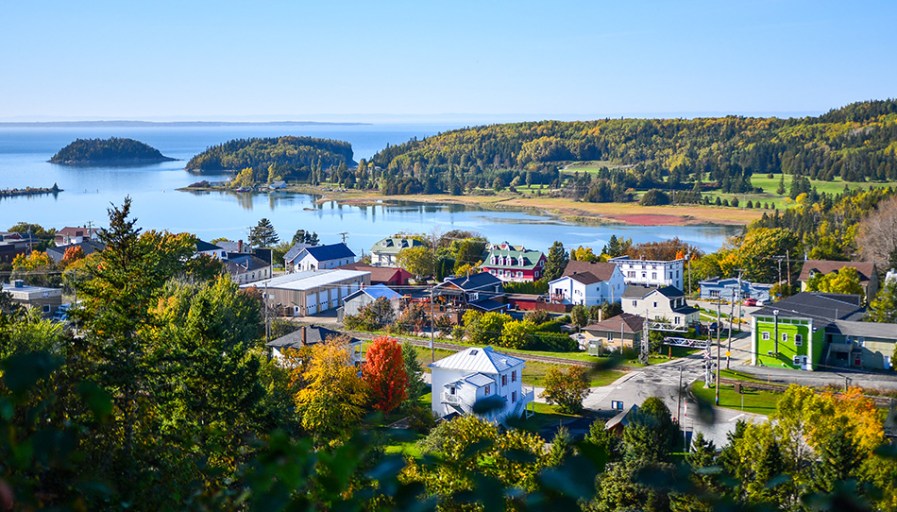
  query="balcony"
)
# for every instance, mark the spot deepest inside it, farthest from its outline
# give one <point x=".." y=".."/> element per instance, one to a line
<point x="448" y="398"/>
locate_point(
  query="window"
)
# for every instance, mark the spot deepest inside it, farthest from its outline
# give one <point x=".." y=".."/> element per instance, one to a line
<point x="46" y="308"/>
<point x="766" y="336"/>
<point x="714" y="293"/>
<point x="655" y="304"/>
<point x="676" y="320"/>
<point x="514" y="376"/>
<point x="644" y="275"/>
<point x="610" y="336"/>
<point x="631" y="273"/>
<point x="504" y="380"/>
<point x="798" y="340"/>
<point x="513" y="397"/>
<point x="654" y="275"/>
<point x="677" y="274"/>
<point x="519" y="274"/>
<point x="488" y="389"/>
<point x="635" y="303"/>
<point x="452" y="390"/>
<point x="784" y="336"/>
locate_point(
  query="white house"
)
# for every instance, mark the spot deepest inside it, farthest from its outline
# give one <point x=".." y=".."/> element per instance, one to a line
<point x="475" y="374"/>
<point x="384" y="252"/>
<point x="591" y="287"/>
<point x="666" y="304"/>
<point x="322" y="257"/>
<point x="212" y="250"/>
<point x="652" y="272"/>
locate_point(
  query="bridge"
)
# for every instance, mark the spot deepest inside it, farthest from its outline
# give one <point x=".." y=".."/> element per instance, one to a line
<point x="685" y="342"/>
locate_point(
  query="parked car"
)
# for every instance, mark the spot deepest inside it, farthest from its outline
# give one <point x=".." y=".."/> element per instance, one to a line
<point x="750" y="302"/>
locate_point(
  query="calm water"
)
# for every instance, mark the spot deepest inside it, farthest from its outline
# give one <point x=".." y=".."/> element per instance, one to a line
<point x="156" y="202"/>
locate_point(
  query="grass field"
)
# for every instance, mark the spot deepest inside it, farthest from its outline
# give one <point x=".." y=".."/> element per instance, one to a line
<point x="592" y="167"/>
<point x="770" y="185"/>
<point x="755" y="401"/>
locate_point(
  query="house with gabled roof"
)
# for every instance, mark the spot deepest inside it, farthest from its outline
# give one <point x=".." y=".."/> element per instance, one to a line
<point x="666" y="304"/>
<point x="384" y="252"/>
<point x="482" y="382"/>
<point x="614" y="333"/>
<point x="320" y="257"/>
<point x="87" y="247"/>
<point x="247" y="268"/>
<point x="310" y="292"/>
<point x="204" y="248"/>
<point x="514" y="263"/>
<point x="354" y="302"/>
<point x="866" y="269"/>
<point x="481" y="291"/>
<point x="310" y="335"/>
<point x="390" y="276"/>
<point x="75" y="235"/>
<point x="588" y="284"/>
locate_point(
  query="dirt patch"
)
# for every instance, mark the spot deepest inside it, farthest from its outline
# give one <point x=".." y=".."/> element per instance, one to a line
<point x="649" y="219"/>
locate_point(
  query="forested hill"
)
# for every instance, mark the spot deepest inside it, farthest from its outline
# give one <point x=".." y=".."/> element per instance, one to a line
<point x="113" y="151"/>
<point x="856" y="143"/>
<point x="292" y="154"/>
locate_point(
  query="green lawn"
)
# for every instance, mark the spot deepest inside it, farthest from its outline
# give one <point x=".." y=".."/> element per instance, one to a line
<point x="770" y="185"/>
<point x="755" y="401"/>
<point x="546" y="416"/>
<point x="591" y="166"/>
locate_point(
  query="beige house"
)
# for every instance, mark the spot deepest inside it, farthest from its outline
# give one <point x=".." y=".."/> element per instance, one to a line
<point x="311" y="292"/>
<point x="46" y="299"/>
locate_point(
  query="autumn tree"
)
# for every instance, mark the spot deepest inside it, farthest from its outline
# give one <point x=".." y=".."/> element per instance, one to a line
<point x="584" y="254"/>
<point x="420" y="261"/>
<point x="517" y="333"/>
<point x="36" y="268"/>
<point x="566" y="388"/>
<point x="333" y="402"/>
<point x="846" y="280"/>
<point x="384" y="373"/>
<point x="72" y="254"/>
<point x="884" y="307"/>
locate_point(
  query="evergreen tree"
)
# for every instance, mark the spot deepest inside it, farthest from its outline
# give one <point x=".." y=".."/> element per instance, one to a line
<point x="781" y="188"/>
<point x="556" y="261"/>
<point x="414" y="371"/>
<point x="839" y="459"/>
<point x="263" y="234"/>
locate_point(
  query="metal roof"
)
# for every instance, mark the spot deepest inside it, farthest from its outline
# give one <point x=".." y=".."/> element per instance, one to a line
<point x="375" y="292"/>
<point x="307" y="280"/>
<point x="479" y="380"/>
<point x="478" y="360"/>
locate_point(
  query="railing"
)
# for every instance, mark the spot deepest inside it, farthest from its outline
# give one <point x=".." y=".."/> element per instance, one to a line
<point x="449" y="398"/>
<point x="685" y="342"/>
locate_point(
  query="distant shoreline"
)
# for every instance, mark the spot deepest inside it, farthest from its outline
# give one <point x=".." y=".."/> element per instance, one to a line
<point x="151" y="124"/>
<point x="566" y="210"/>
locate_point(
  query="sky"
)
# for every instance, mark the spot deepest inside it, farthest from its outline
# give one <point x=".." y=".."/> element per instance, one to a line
<point x="341" y="60"/>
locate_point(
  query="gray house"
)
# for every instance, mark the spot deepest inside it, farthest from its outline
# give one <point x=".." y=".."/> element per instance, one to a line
<point x="728" y="289"/>
<point x="353" y="303"/>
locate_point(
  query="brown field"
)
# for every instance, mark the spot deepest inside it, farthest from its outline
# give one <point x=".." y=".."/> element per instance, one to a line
<point x="586" y="213"/>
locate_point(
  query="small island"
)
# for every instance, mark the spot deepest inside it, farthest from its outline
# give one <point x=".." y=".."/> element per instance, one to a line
<point x="113" y="151"/>
<point x="30" y="191"/>
<point x="288" y="157"/>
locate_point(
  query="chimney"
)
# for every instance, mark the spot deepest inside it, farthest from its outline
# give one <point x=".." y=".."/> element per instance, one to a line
<point x="239" y="245"/>
<point x="304" y="338"/>
<point x="600" y="315"/>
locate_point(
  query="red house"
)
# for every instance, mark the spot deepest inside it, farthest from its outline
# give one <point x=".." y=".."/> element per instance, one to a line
<point x="514" y="263"/>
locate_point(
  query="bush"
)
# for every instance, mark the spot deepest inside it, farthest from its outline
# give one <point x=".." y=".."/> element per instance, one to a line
<point x="566" y="388"/>
<point x="655" y="198"/>
<point x="551" y="326"/>
<point x="553" y="342"/>
<point x="537" y="316"/>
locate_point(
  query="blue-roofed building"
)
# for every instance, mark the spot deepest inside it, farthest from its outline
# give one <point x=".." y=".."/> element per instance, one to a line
<point x="727" y="289"/>
<point x="320" y="257"/>
<point x="357" y="300"/>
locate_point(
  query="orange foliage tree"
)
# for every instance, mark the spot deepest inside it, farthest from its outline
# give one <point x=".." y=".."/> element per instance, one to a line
<point x="384" y="373"/>
<point x="72" y="254"/>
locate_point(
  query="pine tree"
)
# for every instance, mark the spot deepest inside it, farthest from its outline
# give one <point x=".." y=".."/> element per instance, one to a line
<point x="781" y="189"/>
<point x="263" y="234"/>
<point x="556" y="261"/>
<point x="414" y="371"/>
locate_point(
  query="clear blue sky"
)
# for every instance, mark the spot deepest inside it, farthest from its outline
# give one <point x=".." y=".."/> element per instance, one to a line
<point x="426" y="59"/>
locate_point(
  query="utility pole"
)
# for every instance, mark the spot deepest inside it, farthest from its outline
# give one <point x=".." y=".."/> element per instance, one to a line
<point x="267" y="324"/>
<point x="788" y="267"/>
<point x="779" y="261"/>
<point x="728" y="350"/>
<point x="646" y="334"/>
<point x="718" y="345"/>
<point x="432" y="330"/>
<point x="775" y="314"/>
<point x="344" y="235"/>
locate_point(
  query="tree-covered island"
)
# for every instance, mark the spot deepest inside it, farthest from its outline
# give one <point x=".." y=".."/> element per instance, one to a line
<point x="275" y="158"/>
<point x="112" y="151"/>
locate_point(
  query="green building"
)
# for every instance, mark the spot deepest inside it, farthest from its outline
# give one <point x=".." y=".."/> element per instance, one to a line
<point x="797" y="332"/>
